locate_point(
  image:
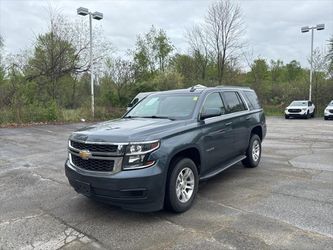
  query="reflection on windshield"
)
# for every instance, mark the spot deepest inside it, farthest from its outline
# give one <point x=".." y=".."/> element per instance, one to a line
<point x="177" y="106"/>
<point x="299" y="103"/>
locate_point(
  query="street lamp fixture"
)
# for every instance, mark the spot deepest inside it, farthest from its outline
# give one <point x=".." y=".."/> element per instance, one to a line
<point x="82" y="11"/>
<point x="304" y="30"/>
<point x="97" y="16"/>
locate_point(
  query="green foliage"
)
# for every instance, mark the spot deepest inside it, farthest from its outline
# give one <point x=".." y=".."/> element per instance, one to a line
<point x="152" y="54"/>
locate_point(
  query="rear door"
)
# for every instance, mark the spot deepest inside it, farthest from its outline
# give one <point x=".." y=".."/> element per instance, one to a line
<point x="238" y="113"/>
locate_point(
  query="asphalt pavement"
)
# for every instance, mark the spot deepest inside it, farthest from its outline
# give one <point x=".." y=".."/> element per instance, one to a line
<point x="285" y="203"/>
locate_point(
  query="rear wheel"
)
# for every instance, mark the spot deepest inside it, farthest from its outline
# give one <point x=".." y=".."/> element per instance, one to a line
<point x="182" y="185"/>
<point x="253" y="153"/>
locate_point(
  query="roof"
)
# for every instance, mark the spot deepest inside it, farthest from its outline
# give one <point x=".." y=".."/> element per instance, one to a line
<point x="198" y="89"/>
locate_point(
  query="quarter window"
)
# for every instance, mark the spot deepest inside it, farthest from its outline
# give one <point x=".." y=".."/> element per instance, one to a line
<point x="252" y="100"/>
<point x="232" y="101"/>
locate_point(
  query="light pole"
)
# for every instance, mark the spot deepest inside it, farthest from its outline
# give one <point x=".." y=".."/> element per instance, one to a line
<point x="307" y="29"/>
<point x="98" y="16"/>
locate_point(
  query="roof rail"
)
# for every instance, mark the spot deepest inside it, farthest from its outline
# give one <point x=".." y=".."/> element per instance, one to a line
<point x="232" y="86"/>
<point x="198" y="86"/>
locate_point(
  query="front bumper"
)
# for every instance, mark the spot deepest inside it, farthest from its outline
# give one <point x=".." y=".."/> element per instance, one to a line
<point x="328" y="114"/>
<point x="139" y="190"/>
<point x="294" y="114"/>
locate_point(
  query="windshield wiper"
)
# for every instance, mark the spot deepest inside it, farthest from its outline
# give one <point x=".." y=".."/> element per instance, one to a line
<point x="158" y="117"/>
<point x="131" y="116"/>
<point x="151" y="116"/>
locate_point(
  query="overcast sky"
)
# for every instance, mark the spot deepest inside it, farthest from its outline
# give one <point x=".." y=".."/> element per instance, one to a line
<point x="272" y="26"/>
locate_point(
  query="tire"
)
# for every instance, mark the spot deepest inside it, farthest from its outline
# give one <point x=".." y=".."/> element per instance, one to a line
<point x="326" y="118"/>
<point x="175" y="200"/>
<point x="313" y="114"/>
<point x="307" y="115"/>
<point x="253" y="158"/>
<point x="286" y="116"/>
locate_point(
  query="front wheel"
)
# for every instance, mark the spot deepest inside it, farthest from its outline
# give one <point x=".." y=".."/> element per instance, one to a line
<point x="286" y="116"/>
<point x="182" y="185"/>
<point x="325" y="117"/>
<point x="253" y="153"/>
<point x="307" y="115"/>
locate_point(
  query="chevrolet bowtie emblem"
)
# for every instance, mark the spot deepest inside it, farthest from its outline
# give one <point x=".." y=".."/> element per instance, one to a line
<point x="84" y="154"/>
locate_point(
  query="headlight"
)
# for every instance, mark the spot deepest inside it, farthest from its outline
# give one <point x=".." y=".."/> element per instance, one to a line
<point x="137" y="155"/>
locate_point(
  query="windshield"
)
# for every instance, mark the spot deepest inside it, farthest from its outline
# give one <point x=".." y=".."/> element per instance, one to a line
<point x="330" y="104"/>
<point x="299" y="103"/>
<point x="177" y="106"/>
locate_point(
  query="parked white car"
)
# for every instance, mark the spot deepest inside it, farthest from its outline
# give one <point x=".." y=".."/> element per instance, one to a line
<point x="301" y="108"/>
<point x="328" y="112"/>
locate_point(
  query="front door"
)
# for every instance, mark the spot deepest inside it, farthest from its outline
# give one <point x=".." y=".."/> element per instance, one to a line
<point x="217" y="137"/>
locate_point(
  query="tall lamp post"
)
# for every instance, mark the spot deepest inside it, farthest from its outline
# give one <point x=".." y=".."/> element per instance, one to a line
<point x="98" y="16"/>
<point x="307" y="29"/>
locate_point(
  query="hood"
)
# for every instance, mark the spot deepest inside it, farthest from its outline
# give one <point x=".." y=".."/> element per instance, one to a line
<point x="128" y="130"/>
<point x="296" y="107"/>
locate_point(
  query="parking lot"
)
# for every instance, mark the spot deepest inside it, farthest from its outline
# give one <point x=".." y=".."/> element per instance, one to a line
<point x="285" y="203"/>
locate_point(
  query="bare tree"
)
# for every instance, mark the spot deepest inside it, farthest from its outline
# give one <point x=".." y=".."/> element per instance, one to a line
<point x="320" y="71"/>
<point x="120" y="73"/>
<point x="225" y="29"/>
<point x="198" y="40"/>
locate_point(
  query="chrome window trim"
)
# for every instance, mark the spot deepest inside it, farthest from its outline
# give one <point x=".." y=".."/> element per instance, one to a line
<point x="244" y="100"/>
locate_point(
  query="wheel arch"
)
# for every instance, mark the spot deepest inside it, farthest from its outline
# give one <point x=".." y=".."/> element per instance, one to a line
<point x="191" y="152"/>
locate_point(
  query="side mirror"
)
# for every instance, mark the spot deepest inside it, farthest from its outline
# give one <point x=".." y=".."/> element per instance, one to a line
<point x="210" y="112"/>
<point x="130" y="105"/>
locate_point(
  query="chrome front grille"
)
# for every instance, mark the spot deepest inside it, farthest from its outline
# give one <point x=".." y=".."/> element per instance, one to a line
<point x="95" y="157"/>
<point x="94" y="147"/>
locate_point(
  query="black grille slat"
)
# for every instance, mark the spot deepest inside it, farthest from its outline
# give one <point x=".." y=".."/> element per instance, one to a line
<point x="331" y="110"/>
<point x="93" y="164"/>
<point x="294" y="110"/>
<point x="94" y="147"/>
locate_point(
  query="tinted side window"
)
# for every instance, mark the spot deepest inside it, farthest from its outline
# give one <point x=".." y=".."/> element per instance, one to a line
<point x="214" y="101"/>
<point x="232" y="102"/>
<point x="252" y="100"/>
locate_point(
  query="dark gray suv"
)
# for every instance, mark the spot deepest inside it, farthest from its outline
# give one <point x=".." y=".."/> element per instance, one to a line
<point x="156" y="154"/>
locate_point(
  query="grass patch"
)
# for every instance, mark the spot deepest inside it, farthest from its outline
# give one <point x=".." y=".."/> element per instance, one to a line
<point x="53" y="114"/>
